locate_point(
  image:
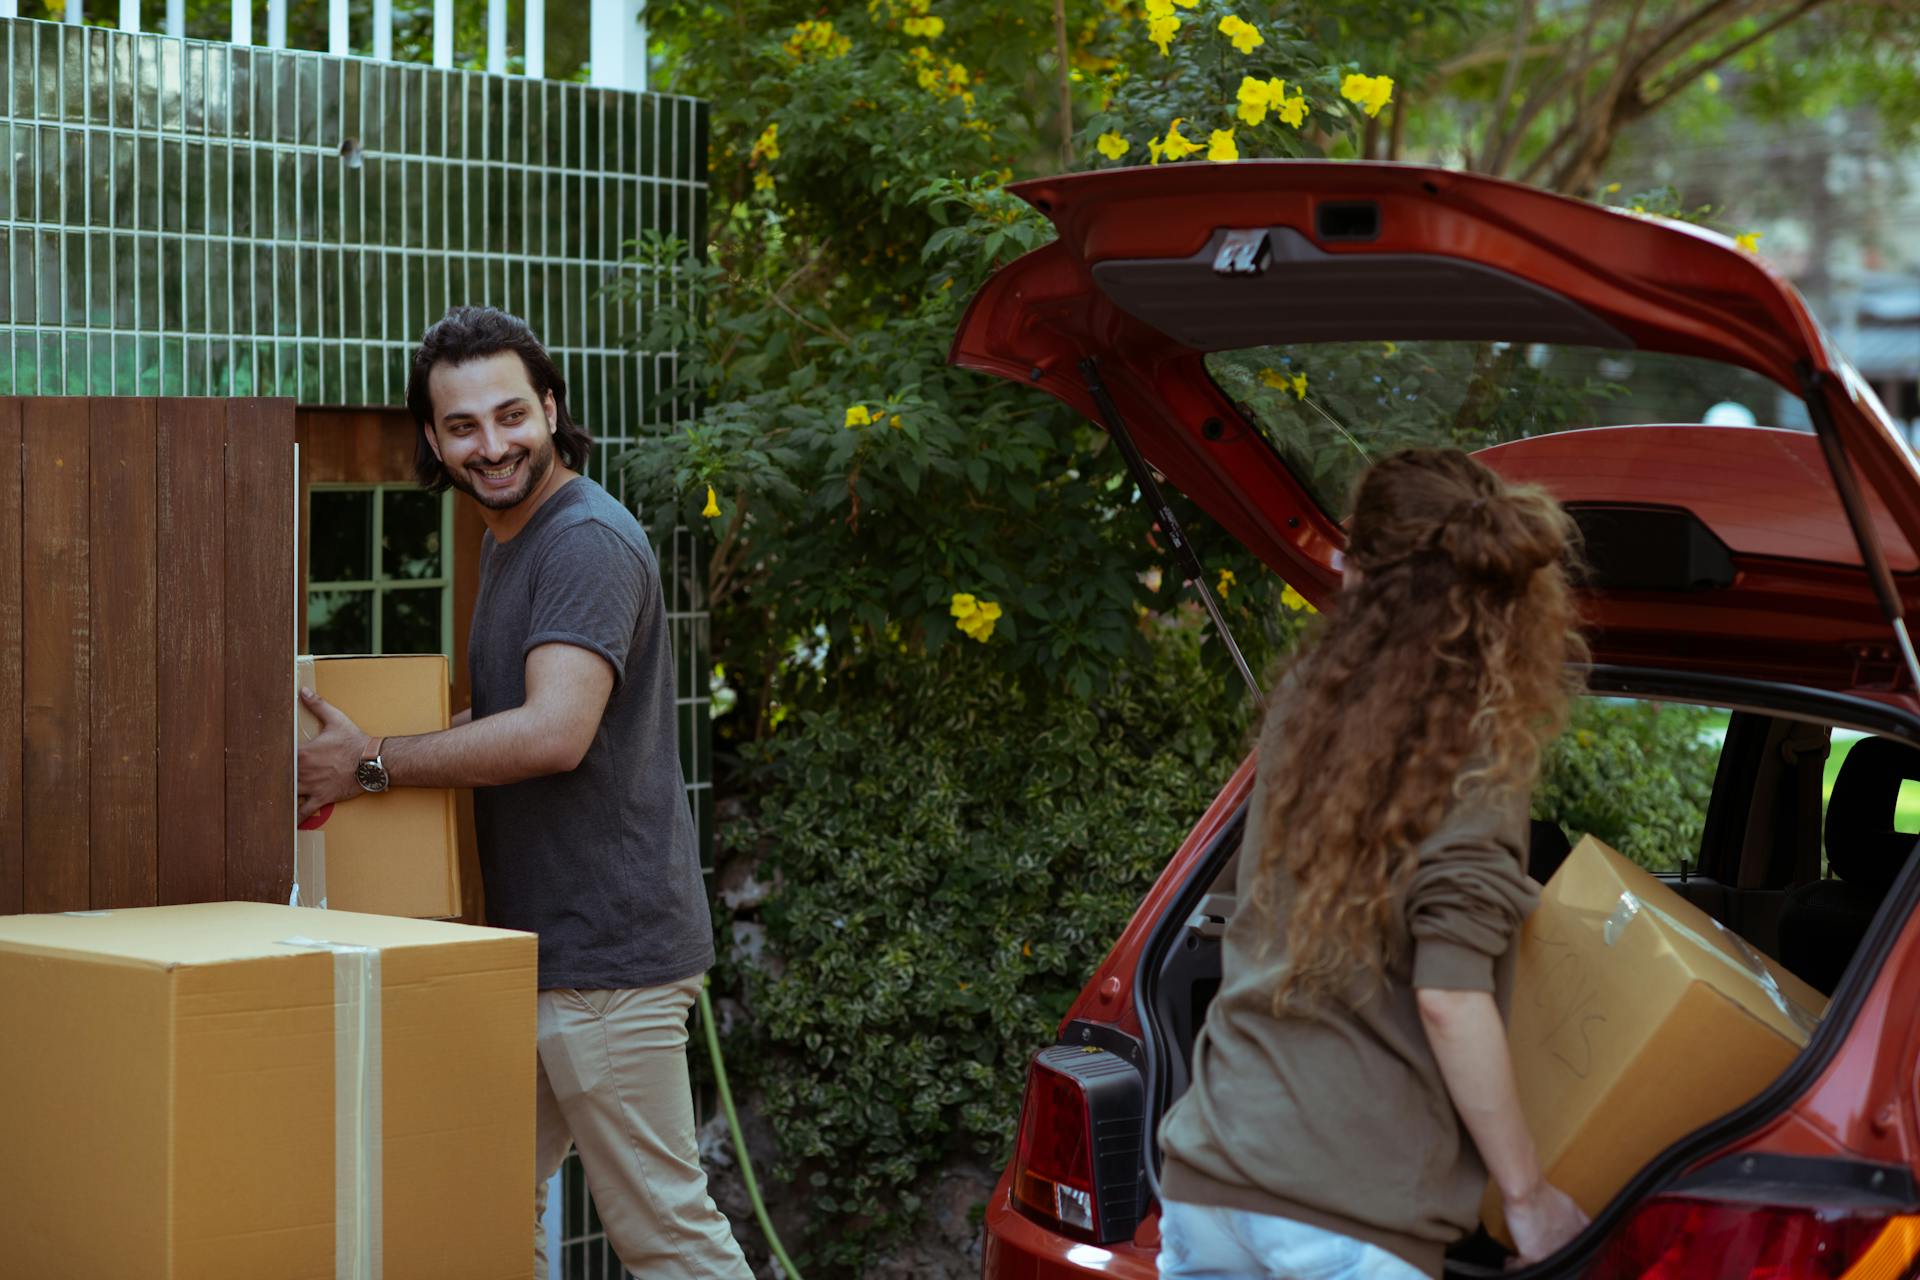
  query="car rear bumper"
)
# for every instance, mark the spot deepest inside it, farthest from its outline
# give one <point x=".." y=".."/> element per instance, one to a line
<point x="1018" y="1248"/>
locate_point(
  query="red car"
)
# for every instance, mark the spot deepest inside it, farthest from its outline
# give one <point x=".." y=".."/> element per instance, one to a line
<point x="1259" y="331"/>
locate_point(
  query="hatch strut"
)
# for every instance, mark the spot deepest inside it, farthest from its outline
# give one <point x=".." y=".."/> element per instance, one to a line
<point x="1143" y="477"/>
<point x="1814" y="384"/>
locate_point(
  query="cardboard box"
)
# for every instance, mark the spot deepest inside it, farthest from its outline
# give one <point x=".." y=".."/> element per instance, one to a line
<point x="209" y="1091"/>
<point x="1636" y="1019"/>
<point x="397" y="853"/>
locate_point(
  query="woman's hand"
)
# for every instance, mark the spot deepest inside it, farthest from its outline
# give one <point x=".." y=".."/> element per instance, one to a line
<point x="1542" y="1220"/>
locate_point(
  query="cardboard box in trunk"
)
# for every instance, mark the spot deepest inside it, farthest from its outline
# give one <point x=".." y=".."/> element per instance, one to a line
<point x="244" y="1089"/>
<point x="397" y="853"/>
<point x="1636" y="1019"/>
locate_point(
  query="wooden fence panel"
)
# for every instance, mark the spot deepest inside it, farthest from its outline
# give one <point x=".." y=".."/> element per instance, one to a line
<point x="193" y="637"/>
<point x="146" y="651"/>
<point x="259" y="650"/>
<point x="12" y="845"/>
<point x="125" y="709"/>
<point x="57" y="690"/>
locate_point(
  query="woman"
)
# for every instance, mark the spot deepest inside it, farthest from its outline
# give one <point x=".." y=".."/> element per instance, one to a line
<point x="1352" y="1089"/>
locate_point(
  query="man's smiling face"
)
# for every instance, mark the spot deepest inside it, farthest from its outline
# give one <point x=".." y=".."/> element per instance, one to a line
<point x="491" y="432"/>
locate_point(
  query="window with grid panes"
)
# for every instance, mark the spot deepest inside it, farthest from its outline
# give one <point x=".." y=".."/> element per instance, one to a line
<point x="379" y="570"/>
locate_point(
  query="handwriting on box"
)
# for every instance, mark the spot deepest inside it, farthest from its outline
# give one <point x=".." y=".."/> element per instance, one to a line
<point x="1564" y="982"/>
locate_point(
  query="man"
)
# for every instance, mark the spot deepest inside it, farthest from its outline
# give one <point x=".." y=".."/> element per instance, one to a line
<point x="584" y="831"/>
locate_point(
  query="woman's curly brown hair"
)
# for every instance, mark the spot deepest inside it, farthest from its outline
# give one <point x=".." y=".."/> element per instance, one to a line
<point x="1447" y="662"/>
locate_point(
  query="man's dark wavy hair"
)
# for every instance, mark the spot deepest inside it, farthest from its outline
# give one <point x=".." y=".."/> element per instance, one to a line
<point x="474" y="333"/>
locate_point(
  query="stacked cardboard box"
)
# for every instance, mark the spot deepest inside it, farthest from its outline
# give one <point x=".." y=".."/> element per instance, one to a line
<point x="396" y="853"/>
<point x="246" y="1090"/>
<point x="1637" y="1018"/>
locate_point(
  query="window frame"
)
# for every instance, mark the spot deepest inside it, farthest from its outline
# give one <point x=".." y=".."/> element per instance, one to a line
<point x="379" y="586"/>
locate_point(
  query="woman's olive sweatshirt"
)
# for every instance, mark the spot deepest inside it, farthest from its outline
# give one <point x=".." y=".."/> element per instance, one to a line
<point x="1338" y="1116"/>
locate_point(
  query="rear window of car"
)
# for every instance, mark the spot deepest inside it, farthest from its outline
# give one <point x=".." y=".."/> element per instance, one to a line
<point x="1329" y="409"/>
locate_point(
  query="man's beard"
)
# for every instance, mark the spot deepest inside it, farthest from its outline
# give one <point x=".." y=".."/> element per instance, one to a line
<point x="534" y="470"/>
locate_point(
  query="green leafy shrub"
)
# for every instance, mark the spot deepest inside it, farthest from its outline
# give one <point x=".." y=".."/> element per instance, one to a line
<point x="950" y="863"/>
<point x="1635" y="774"/>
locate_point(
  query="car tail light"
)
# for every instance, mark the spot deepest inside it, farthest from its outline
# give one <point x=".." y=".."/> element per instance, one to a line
<point x="1077" y="1166"/>
<point x="1684" y="1238"/>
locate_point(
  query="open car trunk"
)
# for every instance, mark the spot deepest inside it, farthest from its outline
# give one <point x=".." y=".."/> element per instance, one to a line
<point x="1799" y="845"/>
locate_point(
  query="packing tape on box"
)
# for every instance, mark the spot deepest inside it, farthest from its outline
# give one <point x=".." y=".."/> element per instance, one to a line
<point x="309" y="870"/>
<point x="357" y="1154"/>
<point x="1747" y="960"/>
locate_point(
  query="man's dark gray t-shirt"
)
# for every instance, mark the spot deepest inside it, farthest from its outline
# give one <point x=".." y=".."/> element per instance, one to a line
<point x="600" y="862"/>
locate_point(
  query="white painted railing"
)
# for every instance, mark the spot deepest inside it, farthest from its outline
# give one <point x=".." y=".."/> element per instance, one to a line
<point x="617" y="37"/>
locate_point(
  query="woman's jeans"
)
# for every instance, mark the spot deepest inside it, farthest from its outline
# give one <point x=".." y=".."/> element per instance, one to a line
<point x="1199" y="1242"/>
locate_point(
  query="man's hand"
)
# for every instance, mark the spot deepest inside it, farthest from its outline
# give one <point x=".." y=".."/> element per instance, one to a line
<point x="327" y="764"/>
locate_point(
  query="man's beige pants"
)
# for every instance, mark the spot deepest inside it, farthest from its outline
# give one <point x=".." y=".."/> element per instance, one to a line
<point x="613" y="1082"/>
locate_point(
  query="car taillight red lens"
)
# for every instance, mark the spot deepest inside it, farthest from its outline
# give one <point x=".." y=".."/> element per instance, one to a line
<point x="1681" y="1238"/>
<point x="1076" y="1167"/>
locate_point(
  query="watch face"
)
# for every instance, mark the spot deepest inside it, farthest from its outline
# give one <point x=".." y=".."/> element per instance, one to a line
<point x="371" y="776"/>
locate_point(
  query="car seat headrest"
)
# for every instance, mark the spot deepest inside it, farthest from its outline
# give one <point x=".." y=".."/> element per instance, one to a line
<point x="1863" y="848"/>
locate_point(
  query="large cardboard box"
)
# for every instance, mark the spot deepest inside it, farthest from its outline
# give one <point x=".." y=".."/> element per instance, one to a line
<point x="397" y="853"/>
<point x="238" y="1090"/>
<point x="1637" y="1018"/>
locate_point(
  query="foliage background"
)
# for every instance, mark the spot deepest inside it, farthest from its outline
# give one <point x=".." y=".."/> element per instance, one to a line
<point x="967" y="708"/>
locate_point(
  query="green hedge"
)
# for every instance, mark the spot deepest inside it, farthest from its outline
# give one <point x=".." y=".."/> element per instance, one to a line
<point x="1635" y="774"/>
<point x="951" y="862"/>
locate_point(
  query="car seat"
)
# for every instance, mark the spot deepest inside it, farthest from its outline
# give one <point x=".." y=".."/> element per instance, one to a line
<point x="1823" y="923"/>
<point x="1547" y="848"/>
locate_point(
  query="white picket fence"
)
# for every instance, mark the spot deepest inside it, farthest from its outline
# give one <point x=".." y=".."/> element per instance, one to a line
<point x="617" y="37"/>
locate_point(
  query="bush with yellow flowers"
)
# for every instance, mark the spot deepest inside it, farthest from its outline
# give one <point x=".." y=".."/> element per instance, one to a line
<point x="973" y="706"/>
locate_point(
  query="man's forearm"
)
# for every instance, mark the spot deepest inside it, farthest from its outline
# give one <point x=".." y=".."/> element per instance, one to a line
<point x="492" y="751"/>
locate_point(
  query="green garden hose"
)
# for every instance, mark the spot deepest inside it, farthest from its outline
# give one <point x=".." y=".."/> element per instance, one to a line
<point x="739" y="1138"/>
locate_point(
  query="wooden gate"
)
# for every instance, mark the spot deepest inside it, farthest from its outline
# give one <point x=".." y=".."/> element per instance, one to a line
<point x="147" y="629"/>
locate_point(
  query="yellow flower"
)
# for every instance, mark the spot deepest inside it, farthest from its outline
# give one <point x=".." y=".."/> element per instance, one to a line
<point x="929" y="28"/>
<point x="1371" y="92"/>
<point x="1255" y="97"/>
<point x="1609" y="189"/>
<point x="1292" y="111"/>
<point x="1221" y="146"/>
<point x="763" y="182"/>
<point x="1245" y="36"/>
<point x="1748" y="240"/>
<point x="1113" y="146"/>
<point x="1159" y="8"/>
<point x="1295" y="601"/>
<point x="1154" y="148"/>
<point x="1026" y="949"/>
<point x="1175" y="146"/>
<point x="895" y="422"/>
<point x="712" y="508"/>
<point x="858" y="415"/>
<point x="1390" y="348"/>
<point x="817" y="37"/>
<point x="974" y="618"/>
<point x="1274" y="378"/>
<point x="1299" y="385"/>
<point x="1227" y="583"/>
<point x="767" y="146"/>
<point x="1161" y="30"/>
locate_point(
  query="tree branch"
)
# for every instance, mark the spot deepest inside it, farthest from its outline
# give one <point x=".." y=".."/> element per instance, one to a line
<point x="1511" y="74"/>
<point x="1672" y="87"/>
<point x="1581" y="66"/>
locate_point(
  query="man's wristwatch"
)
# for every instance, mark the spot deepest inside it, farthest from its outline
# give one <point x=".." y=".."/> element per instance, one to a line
<point x="371" y="773"/>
